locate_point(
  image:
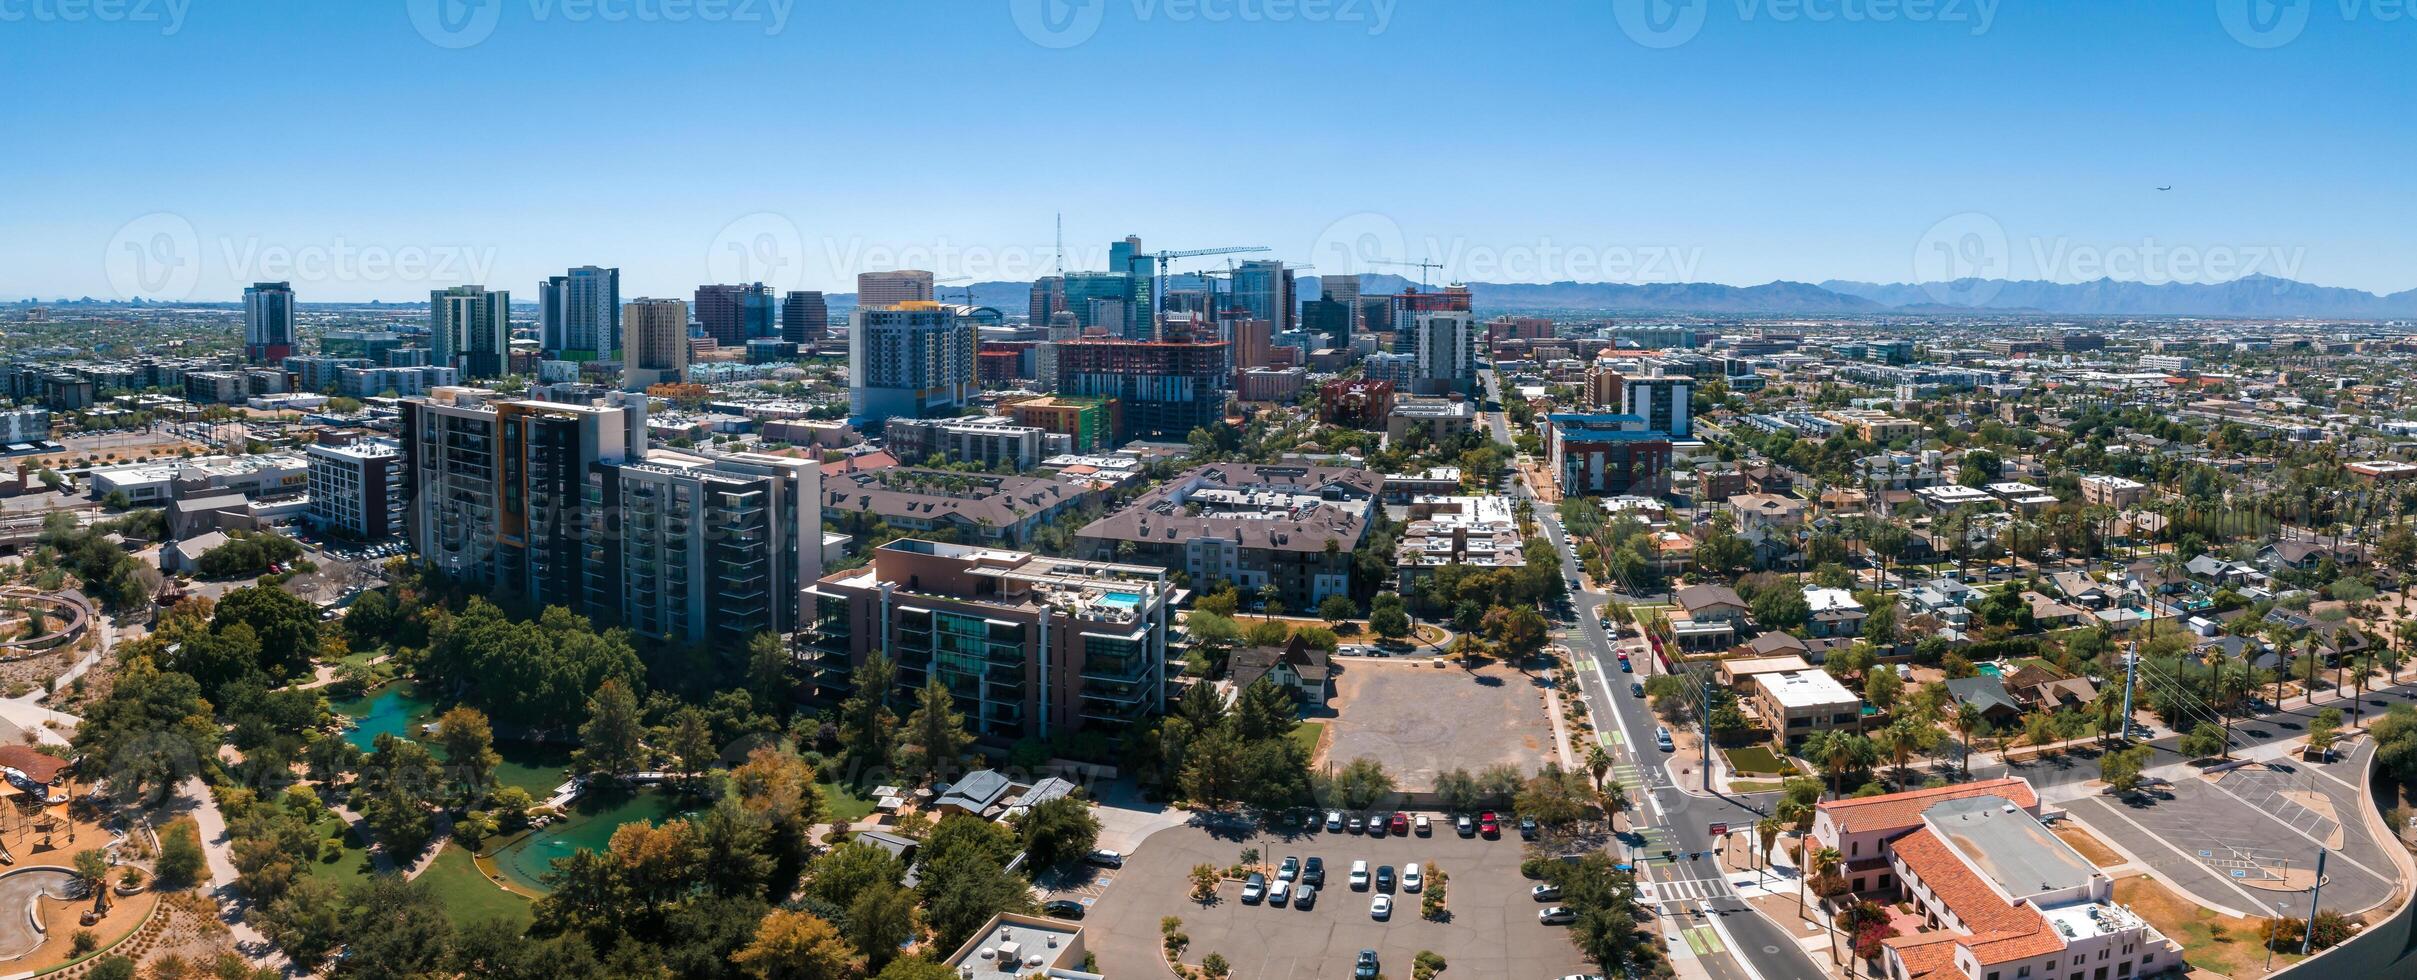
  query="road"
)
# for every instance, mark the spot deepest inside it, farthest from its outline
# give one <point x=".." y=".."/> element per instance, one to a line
<point x="1695" y="895"/>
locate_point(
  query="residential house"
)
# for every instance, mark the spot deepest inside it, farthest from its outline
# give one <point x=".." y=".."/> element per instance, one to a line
<point x="1298" y="667"/>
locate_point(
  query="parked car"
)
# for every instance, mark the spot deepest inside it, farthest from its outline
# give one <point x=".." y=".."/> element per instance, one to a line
<point x="1290" y="870"/>
<point x="1488" y="826"/>
<point x="1636" y="689"/>
<point x="1359" y="824"/>
<point x="1626" y="667"/>
<point x="1399" y="824"/>
<point x="1556" y="915"/>
<point x="1412" y="879"/>
<point x="1313" y="871"/>
<point x="1254" y="888"/>
<point x="1661" y="739"/>
<point x="1528" y="828"/>
<point x="1106" y="858"/>
<point x="1464" y="826"/>
<point x="1334" y="820"/>
<point x="1279" y="893"/>
<point x="1425" y="828"/>
<point x="1306" y="897"/>
<point x="1380" y="908"/>
<point x="1545" y="893"/>
<point x="1063" y="908"/>
<point x="1359" y="876"/>
<point x="1384" y="878"/>
<point x="1376" y="825"/>
<point x="1364" y="968"/>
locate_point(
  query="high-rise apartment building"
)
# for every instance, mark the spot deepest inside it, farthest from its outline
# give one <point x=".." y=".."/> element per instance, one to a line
<point x="1665" y="402"/>
<point x="1048" y="297"/>
<point x="1100" y="299"/>
<point x="470" y="330"/>
<point x="734" y="314"/>
<point x="497" y="490"/>
<point x="875" y="290"/>
<point x="1445" y="348"/>
<point x="804" y="317"/>
<point x="356" y="489"/>
<point x="1031" y="646"/>
<point x="1404" y="309"/>
<point x="579" y="315"/>
<point x="1140" y="270"/>
<point x="914" y="360"/>
<point x="703" y="549"/>
<point x="658" y="343"/>
<point x="268" y="322"/>
<point x="1263" y="290"/>
<point x="1164" y="389"/>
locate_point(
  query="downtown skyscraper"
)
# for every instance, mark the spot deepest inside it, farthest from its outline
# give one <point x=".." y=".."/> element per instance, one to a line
<point x="470" y="330"/>
<point x="579" y="315"/>
<point x="268" y="322"/>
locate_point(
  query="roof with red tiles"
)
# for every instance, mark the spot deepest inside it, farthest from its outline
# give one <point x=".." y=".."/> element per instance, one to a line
<point x="2001" y="932"/>
<point x="1903" y="811"/>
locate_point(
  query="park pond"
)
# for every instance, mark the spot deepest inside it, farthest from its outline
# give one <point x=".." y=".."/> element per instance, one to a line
<point x="588" y="826"/>
<point x="400" y="709"/>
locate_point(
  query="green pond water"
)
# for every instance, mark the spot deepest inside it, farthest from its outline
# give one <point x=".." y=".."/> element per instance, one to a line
<point x="590" y="826"/>
<point x="400" y="710"/>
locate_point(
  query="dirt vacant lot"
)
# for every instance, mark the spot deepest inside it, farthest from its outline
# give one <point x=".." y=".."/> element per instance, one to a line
<point x="1419" y="720"/>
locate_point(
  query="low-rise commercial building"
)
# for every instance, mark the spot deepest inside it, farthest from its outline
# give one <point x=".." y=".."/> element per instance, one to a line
<point x="1438" y="419"/>
<point x="987" y="441"/>
<point x="1799" y="702"/>
<point x="974" y="507"/>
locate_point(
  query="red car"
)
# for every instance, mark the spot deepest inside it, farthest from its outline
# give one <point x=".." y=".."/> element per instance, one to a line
<point x="1488" y="826"/>
<point x="1399" y="825"/>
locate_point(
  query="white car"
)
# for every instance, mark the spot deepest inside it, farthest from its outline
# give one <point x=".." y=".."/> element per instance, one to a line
<point x="1334" y="821"/>
<point x="1423" y="826"/>
<point x="1380" y="908"/>
<point x="1412" y="880"/>
<point x="1359" y="876"/>
<point x="1106" y="858"/>
<point x="1279" y="893"/>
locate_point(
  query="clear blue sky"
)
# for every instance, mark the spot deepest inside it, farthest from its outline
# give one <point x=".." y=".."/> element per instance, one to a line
<point x="265" y="138"/>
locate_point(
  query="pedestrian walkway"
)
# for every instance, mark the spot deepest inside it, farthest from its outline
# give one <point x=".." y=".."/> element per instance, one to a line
<point x="1685" y="890"/>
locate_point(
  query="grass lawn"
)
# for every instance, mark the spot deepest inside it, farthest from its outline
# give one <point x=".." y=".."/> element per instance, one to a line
<point x="1757" y="760"/>
<point x="845" y="803"/>
<point x="352" y="864"/>
<point x="1307" y="733"/>
<point x="2219" y="943"/>
<point x="467" y="894"/>
<point x="1749" y="786"/>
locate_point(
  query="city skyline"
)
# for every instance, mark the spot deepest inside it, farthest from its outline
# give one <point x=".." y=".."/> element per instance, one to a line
<point x="1748" y="150"/>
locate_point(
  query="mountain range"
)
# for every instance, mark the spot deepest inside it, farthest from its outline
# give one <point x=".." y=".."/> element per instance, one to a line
<point x="2251" y="297"/>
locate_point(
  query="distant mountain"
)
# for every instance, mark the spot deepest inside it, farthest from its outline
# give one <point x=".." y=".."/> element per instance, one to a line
<point x="2250" y="296"/>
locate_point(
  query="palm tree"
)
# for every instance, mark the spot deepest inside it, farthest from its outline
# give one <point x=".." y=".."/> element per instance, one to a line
<point x="1598" y="762"/>
<point x="1817" y="863"/>
<point x="1904" y="737"/>
<point x="1766" y="833"/>
<point x="1967" y="720"/>
<point x="1822" y="749"/>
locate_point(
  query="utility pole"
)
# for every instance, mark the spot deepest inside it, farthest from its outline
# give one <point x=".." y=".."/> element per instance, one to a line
<point x="2131" y="670"/>
<point x="2315" y="888"/>
<point x="1707" y="731"/>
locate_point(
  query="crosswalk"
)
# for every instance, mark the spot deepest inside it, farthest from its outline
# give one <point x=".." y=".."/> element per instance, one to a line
<point x="1685" y="890"/>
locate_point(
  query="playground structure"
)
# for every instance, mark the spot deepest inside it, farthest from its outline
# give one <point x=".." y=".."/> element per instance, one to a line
<point x="35" y="622"/>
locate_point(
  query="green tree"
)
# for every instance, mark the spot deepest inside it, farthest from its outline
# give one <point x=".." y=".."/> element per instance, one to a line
<point x="935" y="732"/>
<point x="612" y="739"/>
<point x="1058" y="831"/>
<point x="2121" y="768"/>
<point x="867" y="727"/>
<point x="2206" y="740"/>
<point x="1782" y="608"/>
<point x="470" y="756"/>
<point x="151" y="731"/>
<point x="768" y="680"/>
<point x="306" y="923"/>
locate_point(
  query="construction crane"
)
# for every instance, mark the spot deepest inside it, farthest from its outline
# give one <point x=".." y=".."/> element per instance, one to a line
<point x="969" y="289"/>
<point x="1158" y="297"/>
<point x="1423" y="265"/>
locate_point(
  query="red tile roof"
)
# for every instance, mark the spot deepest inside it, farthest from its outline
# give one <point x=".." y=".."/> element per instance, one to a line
<point x="1926" y="953"/>
<point x="2001" y="932"/>
<point x="1903" y="811"/>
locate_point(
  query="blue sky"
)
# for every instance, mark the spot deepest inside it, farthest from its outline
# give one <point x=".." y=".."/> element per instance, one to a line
<point x="183" y="147"/>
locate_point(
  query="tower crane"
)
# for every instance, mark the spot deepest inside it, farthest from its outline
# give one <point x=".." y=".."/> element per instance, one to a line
<point x="969" y="289"/>
<point x="1424" y="267"/>
<point x="1158" y="296"/>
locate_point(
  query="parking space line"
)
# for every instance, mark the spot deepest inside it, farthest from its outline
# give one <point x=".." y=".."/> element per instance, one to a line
<point x="2339" y="853"/>
<point x="2254" y="901"/>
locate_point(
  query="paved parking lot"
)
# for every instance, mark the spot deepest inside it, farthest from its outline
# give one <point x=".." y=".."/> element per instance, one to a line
<point x="2248" y="839"/>
<point x="1492" y="931"/>
<point x="1420" y="721"/>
